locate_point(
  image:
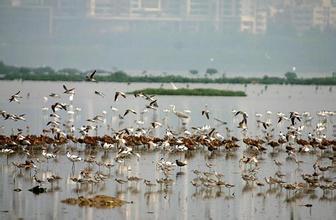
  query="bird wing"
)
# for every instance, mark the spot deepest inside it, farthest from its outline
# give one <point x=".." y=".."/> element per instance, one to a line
<point x="292" y="119"/>
<point x="92" y="74"/>
<point x="116" y="96"/>
<point x="154" y="103"/>
<point x="280" y="119"/>
<point x="237" y="113"/>
<point x="126" y="112"/>
<point x="264" y="125"/>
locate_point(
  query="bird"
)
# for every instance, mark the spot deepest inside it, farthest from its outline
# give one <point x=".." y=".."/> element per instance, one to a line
<point x="178" y="113"/>
<point x="69" y="91"/>
<point x="156" y="124"/>
<point x="221" y="122"/>
<point x="37" y="190"/>
<point x="128" y="111"/>
<point x="54" y="95"/>
<point x="57" y="106"/>
<point x="181" y="163"/>
<point x="15" y="97"/>
<point x="73" y="158"/>
<point x="90" y="77"/>
<point x="99" y="93"/>
<point x="265" y="124"/>
<point x="153" y="105"/>
<point x="149" y="183"/>
<point x="281" y="116"/>
<point x="120" y="181"/>
<point x="117" y="94"/>
<point x="278" y="163"/>
<point x="48" y="155"/>
<point x="244" y="121"/>
<point x="293" y="116"/>
<point x="206" y="112"/>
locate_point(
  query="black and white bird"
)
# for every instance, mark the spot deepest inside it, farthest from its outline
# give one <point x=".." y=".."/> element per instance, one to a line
<point x="69" y="91"/>
<point x="99" y="93"/>
<point x="117" y="94"/>
<point x="293" y="116"/>
<point x="206" y="112"/>
<point x="15" y="97"/>
<point x="90" y="77"/>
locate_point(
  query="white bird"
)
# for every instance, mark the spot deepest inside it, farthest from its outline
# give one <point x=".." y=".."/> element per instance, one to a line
<point x="179" y="114"/>
<point x="73" y="158"/>
<point x="107" y="146"/>
<point x="48" y="155"/>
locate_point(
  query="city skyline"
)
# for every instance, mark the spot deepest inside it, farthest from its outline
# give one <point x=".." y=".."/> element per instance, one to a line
<point x="234" y="36"/>
<point x="250" y="16"/>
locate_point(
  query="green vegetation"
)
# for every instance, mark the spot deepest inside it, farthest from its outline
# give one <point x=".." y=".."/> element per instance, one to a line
<point x="193" y="72"/>
<point x="291" y="76"/>
<point x="69" y="74"/>
<point x="211" y="71"/>
<point x="190" y="92"/>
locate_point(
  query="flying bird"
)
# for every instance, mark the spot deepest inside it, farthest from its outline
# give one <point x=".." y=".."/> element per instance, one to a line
<point x="293" y="116"/>
<point x="206" y="112"/>
<point x="90" y="77"/>
<point x="69" y="91"/>
<point x="57" y="106"/>
<point x="99" y="93"/>
<point x="15" y="97"/>
<point x="117" y="94"/>
<point x="244" y="121"/>
<point x="128" y="111"/>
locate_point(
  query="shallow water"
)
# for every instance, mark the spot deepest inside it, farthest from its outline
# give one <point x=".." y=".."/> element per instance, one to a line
<point x="181" y="200"/>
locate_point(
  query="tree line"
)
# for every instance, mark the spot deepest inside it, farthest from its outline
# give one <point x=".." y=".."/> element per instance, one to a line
<point x="8" y="72"/>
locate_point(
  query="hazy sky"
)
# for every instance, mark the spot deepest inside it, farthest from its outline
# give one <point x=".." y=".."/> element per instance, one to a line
<point x="29" y="37"/>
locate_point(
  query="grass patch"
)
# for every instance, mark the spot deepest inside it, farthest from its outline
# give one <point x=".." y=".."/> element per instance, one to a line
<point x="190" y="92"/>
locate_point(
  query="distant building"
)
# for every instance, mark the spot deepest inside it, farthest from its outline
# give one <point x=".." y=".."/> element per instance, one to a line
<point x="324" y="15"/>
<point x="228" y="14"/>
<point x="302" y="17"/>
<point x="253" y="17"/>
<point x="108" y="16"/>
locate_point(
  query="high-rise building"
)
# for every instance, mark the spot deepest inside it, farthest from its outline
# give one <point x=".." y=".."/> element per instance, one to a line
<point x="199" y="9"/>
<point x="324" y="15"/>
<point x="254" y="17"/>
<point x="174" y="8"/>
<point x="228" y="15"/>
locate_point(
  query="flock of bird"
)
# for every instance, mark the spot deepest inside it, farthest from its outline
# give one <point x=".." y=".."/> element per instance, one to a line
<point x="298" y="140"/>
